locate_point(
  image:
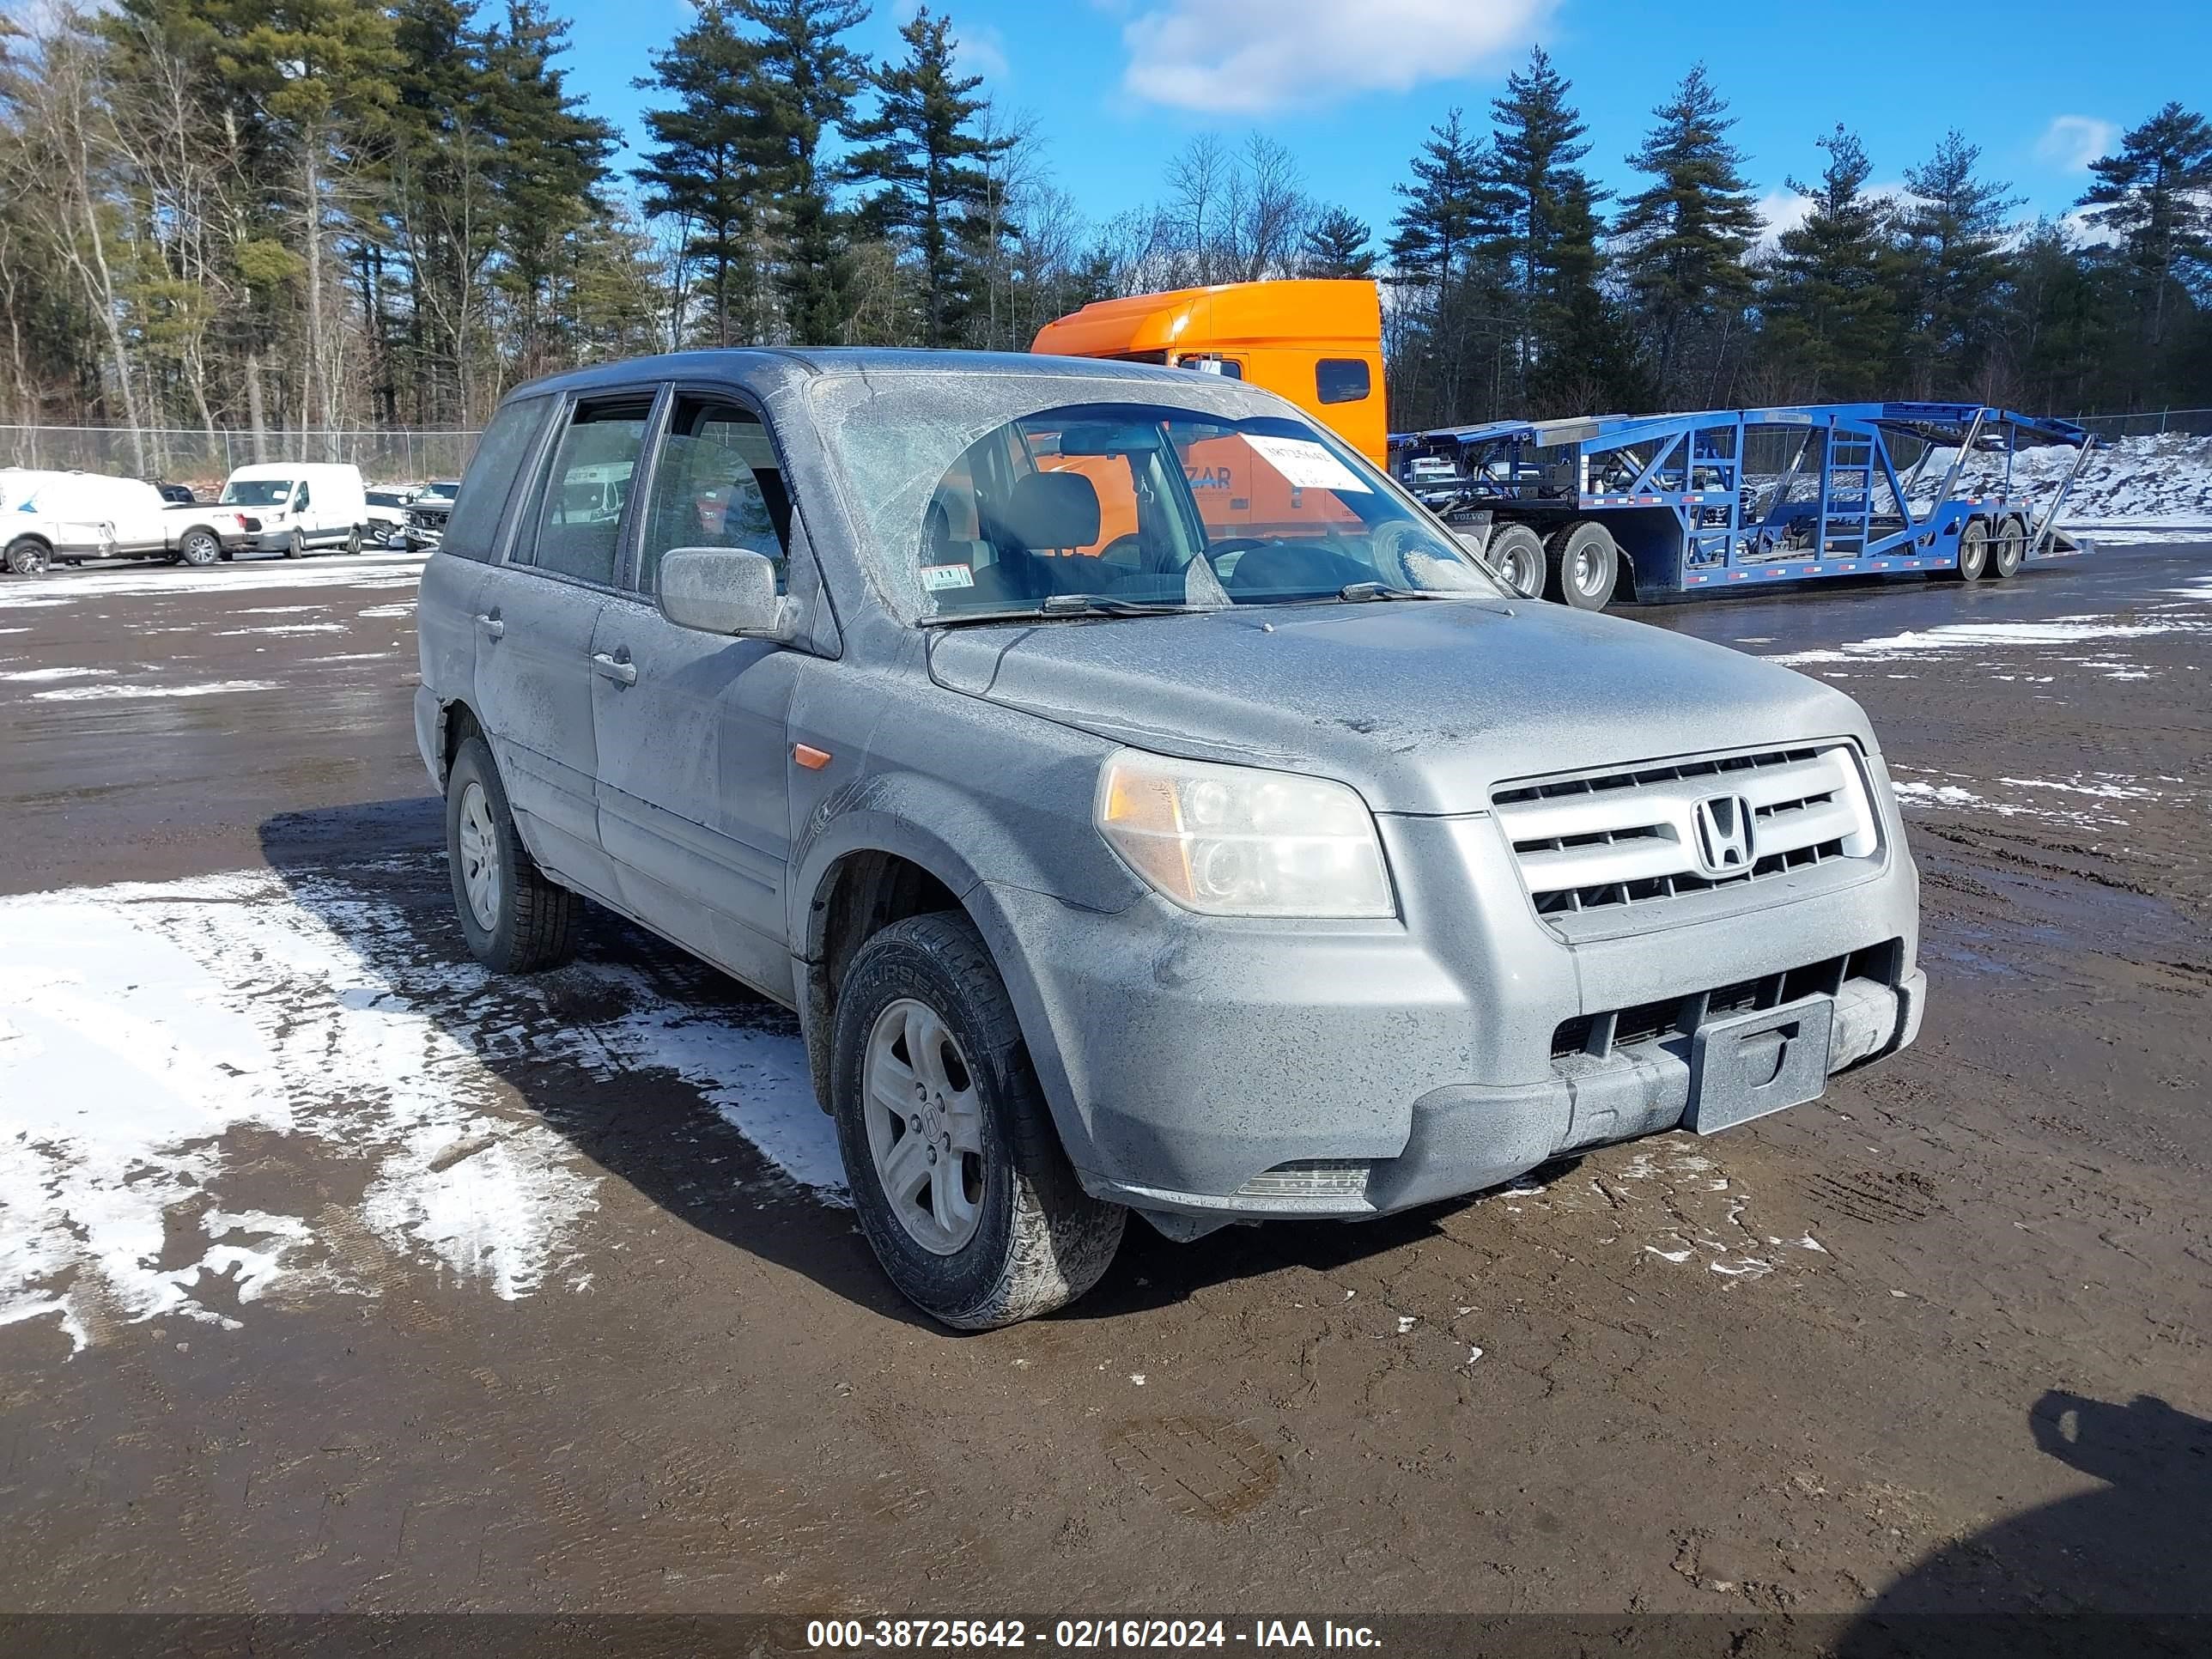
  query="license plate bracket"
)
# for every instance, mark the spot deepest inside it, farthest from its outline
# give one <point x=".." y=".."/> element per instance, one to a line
<point x="1745" y="1066"/>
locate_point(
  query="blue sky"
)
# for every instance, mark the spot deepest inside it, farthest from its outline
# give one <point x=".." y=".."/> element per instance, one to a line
<point x="1350" y="86"/>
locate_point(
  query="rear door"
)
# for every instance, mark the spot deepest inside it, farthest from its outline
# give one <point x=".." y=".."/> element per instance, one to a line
<point x="694" y="747"/>
<point x="141" y="516"/>
<point x="535" y="618"/>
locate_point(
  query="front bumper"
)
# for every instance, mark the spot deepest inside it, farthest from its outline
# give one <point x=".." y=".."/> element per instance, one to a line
<point x="1216" y="1070"/>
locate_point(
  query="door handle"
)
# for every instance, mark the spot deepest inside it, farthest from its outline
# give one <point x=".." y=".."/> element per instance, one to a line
<point x="493" y="627"/>
<point x="615" y="668"/>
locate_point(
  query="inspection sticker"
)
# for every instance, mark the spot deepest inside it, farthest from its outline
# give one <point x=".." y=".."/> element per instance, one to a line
<point x="1307" y="464"/>
<point x="936" y="576"/>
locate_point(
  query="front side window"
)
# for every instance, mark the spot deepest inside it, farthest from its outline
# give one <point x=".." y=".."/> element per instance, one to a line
<point x="717" y="484"/>
<point x="1104" y="507"/>
<point x="580" y="506"/>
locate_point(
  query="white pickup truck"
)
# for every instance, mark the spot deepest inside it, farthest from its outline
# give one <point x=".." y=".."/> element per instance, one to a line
<point x="72" y="517"/>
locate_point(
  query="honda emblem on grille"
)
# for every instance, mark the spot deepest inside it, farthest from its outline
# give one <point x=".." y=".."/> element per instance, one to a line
<point x="1723" y="824"/>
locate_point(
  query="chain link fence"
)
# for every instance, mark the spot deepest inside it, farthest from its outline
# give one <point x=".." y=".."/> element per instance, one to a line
<point x="203" y="458"/>
<point x="2184" y="423"/>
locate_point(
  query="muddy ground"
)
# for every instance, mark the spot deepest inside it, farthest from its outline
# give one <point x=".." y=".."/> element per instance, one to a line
<point x="1937" y="1342"/>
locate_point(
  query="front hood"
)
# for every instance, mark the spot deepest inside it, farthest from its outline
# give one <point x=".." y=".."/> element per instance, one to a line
<point x="1422" y="705"/>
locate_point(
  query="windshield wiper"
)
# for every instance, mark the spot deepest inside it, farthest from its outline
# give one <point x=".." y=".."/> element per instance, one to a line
<point x="1360" y="593"/>
<point x="1070" y="605"/>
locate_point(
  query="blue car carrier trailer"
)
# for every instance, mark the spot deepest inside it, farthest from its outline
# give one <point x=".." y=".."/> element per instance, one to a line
<point x="1648" y="507"/>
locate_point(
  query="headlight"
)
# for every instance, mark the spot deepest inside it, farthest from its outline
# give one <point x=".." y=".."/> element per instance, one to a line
<point x="1234" y="840"/>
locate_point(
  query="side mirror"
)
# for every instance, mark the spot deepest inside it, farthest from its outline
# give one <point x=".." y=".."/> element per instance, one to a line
<point x="724" y="590"/>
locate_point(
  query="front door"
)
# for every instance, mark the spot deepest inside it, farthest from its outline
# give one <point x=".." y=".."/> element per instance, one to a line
<point x="693" y="740"/>
<point x="536" y="615"/>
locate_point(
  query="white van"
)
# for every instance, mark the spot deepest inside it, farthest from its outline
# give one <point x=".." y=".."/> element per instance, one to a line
<point x="301" y="505"/>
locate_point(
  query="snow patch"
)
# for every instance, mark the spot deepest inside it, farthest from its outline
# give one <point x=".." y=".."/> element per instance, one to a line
<point x="144" y="1026"/>
<point x="203" y="688"/>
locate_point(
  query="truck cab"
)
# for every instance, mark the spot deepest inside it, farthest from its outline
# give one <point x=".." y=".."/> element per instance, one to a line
<point x="1318" y="343"/>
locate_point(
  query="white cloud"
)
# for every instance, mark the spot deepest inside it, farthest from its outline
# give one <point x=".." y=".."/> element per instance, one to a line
<point x="979" y="49"/>
<point x="1784" y="210"/>
<point x="1255" y="57"/>
<point x="2070" y="143"/>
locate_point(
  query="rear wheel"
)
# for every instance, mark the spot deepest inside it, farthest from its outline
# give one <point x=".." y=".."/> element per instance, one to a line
<point x="199" y="549"/>
<point x="1517" y="553"/>
<point x="2008" y="548"/>
<point x="352" y="539"/>
<point x="27" y="555"/>
<point x="1973" y="553"/>
<point x="1585" y="565"/>
<point x="955" y="1170"/>
<point x="514" y="920"/>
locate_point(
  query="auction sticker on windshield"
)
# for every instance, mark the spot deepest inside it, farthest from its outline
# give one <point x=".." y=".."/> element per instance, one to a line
<point x="936" y="576"/>
<point x="1306" y="464"/>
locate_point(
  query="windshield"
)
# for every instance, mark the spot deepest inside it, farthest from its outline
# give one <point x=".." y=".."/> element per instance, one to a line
<point x="431" y="492"/>
<point x="1109" y="507"/>
<point x="256" y="492"/>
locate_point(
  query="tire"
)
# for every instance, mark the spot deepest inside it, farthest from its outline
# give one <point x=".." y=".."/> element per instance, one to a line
<point x="1973" y="556"/>
<point x="1517" y="553"/>
<point x="528" y="923"/>
<point x="1585" y="565"/>
<point x="1019" y="1237"/>
<point x="352" y="539"/>
<point x="2008" y="548"/>
<point x="199" y="549"/>
<point x="296" y="545"/>
<point x="27" y="555"/>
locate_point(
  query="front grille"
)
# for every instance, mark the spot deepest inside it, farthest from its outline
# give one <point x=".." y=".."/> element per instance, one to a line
<point x="1631" y="835"/>
<point x="1600" y="1034"/>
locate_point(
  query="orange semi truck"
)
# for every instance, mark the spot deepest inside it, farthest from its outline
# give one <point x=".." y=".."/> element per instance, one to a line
<point x="1318" y="343"/>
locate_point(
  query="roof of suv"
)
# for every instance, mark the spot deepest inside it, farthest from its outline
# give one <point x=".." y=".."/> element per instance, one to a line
<point x="764" y="367"/>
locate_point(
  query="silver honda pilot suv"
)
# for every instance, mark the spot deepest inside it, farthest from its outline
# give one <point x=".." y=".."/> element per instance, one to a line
<point x="1144" y="803"/>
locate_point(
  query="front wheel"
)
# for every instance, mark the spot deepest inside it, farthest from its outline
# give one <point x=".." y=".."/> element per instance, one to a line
<point x="296" y="545"/>
<point x="1517" y="554"/>
<point x="514" y="920"/>
<point x="1585" y="565"/>
<point x="956" y="1171"/>
<point x="199" y="549"/>
<point x="28" y="557"/>
<point x="1973" y="553"/>
<point x="352" y="539"/>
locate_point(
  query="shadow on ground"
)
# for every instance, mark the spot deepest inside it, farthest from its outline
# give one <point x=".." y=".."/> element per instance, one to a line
<point x="2122" y="1569"/>
<point x="350" y="867"/>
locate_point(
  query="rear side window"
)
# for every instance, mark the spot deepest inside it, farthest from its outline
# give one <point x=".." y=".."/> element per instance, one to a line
<point x="473" y="532"/>
<point x="1340" y="379"/>
<point x="579" y="513"/>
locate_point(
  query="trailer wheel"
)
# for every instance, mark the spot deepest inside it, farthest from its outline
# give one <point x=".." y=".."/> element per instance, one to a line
<point x="1517" y="554"/>
<point x="1585" y="564"/>
<point x="2008" y="550"/>
<point x="1973" y="552"/>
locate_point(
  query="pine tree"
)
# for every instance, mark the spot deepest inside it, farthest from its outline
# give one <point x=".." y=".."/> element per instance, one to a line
<point x="1830" y="322"/>
<point x="1336" y="245"/>
<point x="810" y="78"/>
<point x="1955" y="251"/>
<point x="704" y="165"/>
<point x="923" y="155"/>
<point x="1685" y="235"/>
<point x="2156" y="196"/>
<point x="1437" y="243"/>
<point x="548" y="170"/>
<point x="1570" y="350"/>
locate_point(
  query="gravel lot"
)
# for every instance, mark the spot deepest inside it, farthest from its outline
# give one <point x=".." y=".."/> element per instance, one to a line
<point x="336" y="1276"/>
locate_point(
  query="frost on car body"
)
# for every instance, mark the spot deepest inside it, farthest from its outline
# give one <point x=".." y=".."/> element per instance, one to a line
<point x="1144" y="802"/>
